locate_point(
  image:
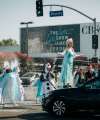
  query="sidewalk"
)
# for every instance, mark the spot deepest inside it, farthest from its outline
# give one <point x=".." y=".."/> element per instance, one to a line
<point x="24" y="108"/>
<point x="30" y="103"/>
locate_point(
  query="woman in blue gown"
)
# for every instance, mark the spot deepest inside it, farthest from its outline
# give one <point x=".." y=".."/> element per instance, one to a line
<point x="67" y="64"/>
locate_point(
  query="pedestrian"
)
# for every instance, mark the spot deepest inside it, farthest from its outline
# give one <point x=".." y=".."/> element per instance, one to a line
<point x="58" y="75"/>
<point x="67" y="64"/>
<point x="80" y="77"/>
<point x="76" y="72"/>
<point x="53" y="67"/>
<point x="90" y="74"/>
<point x="10" y="89"/>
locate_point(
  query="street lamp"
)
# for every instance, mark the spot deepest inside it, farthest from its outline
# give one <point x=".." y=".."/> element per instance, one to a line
<point x="22" y="23"/>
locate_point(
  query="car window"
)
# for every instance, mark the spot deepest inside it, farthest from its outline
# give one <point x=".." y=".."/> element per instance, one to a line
<point x="93" y="85"/>
<point x="28" y="75"/>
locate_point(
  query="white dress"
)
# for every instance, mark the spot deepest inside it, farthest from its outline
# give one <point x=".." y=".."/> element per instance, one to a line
<point x="10" y="91"/>
<point x="0" y="94"/>
<point x="1" y="78"/>
<point x="21" y="93"/>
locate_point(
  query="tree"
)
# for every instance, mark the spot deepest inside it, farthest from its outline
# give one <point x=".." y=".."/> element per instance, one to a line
<point x="9" y="42"/>
<point x="12" y="56"/>
<point x="31" y="65"/>
<point x="1" y="43"/>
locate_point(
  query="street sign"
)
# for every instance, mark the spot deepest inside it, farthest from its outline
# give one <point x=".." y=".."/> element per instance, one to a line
<point x="56" y="13"/>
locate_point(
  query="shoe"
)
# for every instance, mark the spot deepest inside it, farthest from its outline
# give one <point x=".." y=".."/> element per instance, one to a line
<point x="15" y="105"/>
<point x="69" y="86"/>
<point x="65" y="86"/>
<point x="37" y="102"/>
<point x="4" y="106"/>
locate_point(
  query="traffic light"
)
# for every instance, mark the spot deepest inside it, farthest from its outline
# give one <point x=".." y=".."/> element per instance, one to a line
<point x="39" y="8"/>
<point x="94" y="41"/>
<point x="95" y="60"/>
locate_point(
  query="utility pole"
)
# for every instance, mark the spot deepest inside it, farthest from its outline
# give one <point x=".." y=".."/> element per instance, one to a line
<point x="22" y="23"/>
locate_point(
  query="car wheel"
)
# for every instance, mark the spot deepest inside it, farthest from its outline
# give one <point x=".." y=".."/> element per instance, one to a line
<point x="59" y="107"/>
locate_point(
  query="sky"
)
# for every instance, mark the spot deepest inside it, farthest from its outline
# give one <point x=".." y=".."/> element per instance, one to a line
<point x="13" y="12"/>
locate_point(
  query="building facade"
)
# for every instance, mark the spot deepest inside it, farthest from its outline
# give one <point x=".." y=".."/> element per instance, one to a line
<point x="46" y="41"/>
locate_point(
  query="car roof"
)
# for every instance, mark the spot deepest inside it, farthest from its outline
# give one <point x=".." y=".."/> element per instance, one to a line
<point x="31" y="72"/>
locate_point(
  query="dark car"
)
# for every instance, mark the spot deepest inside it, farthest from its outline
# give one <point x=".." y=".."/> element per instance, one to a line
<point x="29" y="77"/>
<point x="62" y="101"/>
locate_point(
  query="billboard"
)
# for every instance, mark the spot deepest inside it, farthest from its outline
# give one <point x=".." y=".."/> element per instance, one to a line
<point x="86" y="32"/>
<point x="49" y="39"/>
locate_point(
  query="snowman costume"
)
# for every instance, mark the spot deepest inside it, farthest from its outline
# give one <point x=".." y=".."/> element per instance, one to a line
<point x="45" y="86"/>
<point x="49" y="83"/>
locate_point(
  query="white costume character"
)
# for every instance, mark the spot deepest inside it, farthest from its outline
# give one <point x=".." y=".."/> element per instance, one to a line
<point x="45" y="86"/>
<point x="21" y="93"/>
<point x="1" y="78"/>
<point x="2" y="74"/>
<point x="49" y="83"/>
<point x="9" y="88"/>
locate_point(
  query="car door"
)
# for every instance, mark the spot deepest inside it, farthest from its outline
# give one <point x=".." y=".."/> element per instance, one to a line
<point x="89" y="96"/>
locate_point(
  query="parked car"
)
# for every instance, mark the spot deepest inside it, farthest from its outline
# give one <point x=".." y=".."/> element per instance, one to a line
<point x="62" y="101"/>
<point x="29" y="77"/>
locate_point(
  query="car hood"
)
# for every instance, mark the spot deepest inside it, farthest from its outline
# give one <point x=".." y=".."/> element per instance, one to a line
<point x="66" y="90"/>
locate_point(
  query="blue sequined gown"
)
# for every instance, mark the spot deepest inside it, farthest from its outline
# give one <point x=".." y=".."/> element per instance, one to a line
<point x="67" y="67"/>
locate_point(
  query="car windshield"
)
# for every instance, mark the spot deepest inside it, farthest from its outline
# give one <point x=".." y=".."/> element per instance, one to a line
<point x="28" y="75"/>
<point x="93" y="84"/>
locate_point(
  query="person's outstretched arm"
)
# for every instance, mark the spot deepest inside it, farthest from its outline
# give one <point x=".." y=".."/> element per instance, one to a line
<point x="62" y="53"/>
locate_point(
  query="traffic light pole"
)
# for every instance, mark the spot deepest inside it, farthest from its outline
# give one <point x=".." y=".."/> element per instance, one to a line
<point x="27" y="37"/>
<point x="94" y="20"/>
<point x="96" y="64"/>
<point x="26" y="23"/>
<point x="95" y="34"/>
